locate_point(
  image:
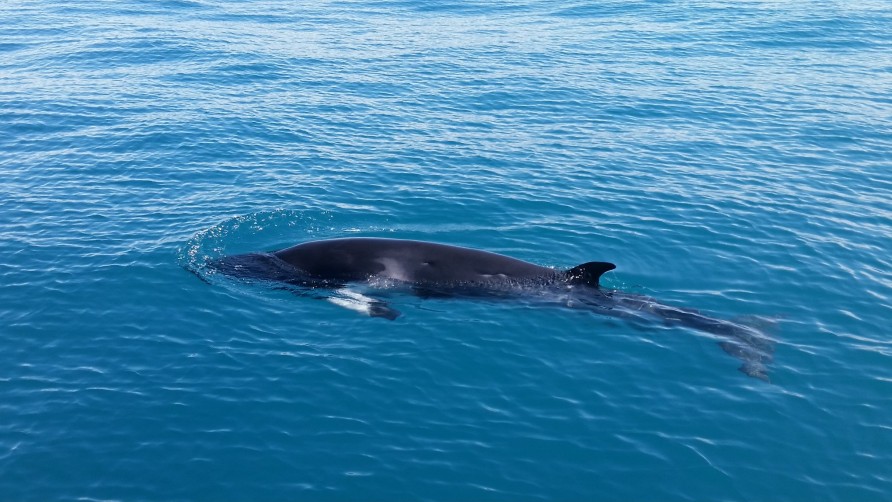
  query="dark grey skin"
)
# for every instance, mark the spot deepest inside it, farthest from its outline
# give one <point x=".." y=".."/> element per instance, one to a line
<point x="419" y="263"/>
<point x="429" y="269"/>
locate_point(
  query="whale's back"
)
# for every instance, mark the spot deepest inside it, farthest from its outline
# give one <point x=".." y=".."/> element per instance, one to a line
<point x="353" y="259"/>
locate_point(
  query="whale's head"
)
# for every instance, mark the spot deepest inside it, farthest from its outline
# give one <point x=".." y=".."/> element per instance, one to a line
<point x="263" y="267"/>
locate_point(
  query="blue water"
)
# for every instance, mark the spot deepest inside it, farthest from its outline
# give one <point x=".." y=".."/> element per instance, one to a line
<point x="734" y="157"/>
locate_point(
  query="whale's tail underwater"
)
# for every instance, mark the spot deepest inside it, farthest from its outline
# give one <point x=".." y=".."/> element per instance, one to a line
<point x="737" y="338"/>
<point x="354" y="272"/>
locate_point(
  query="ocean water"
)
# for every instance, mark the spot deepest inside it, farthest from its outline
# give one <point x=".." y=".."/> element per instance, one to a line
<point x="733" y="157"/>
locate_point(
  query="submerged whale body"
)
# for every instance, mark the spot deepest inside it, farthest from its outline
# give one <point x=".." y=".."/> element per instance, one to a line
<point x="430" y="269"/>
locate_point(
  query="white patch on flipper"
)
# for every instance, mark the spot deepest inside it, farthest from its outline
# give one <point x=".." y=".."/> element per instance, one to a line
<point x="352" y="300"/>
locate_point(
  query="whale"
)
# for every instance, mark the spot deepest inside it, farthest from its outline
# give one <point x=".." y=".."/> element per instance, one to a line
<point x="361" y="272"/>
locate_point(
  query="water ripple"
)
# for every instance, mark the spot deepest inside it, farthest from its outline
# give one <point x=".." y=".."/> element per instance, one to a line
<point x="729" y="158"/>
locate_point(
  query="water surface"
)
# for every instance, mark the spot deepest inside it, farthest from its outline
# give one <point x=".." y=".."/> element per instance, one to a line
<point x="729" y="157"/>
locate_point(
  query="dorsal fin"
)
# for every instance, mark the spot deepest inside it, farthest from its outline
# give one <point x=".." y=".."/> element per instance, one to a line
<point x="589" y="273"/>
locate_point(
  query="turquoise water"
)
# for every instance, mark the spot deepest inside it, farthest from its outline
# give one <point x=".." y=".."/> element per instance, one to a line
<point x="732" y="157"/>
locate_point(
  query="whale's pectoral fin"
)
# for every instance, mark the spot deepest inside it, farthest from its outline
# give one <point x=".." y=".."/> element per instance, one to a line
<point x="359" y="302"/>
<point x="382" y="309"/>
<point x="589" y="273"/>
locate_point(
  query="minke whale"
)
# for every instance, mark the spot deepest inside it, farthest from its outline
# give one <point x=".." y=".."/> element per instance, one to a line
<point x="360" y="272"/>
